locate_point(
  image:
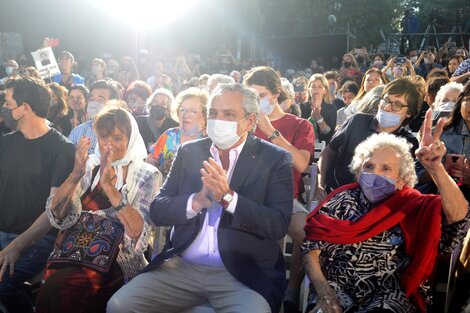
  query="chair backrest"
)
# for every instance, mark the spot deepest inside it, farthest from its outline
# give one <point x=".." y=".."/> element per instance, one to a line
<point x="319" y="146"/>
<point x="454" y="258"/>
<point x="457" y="296"/>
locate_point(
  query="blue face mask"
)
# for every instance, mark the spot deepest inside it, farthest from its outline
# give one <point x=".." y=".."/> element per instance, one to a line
<point x="388" y="119"/>
<point x="375" y="187"/>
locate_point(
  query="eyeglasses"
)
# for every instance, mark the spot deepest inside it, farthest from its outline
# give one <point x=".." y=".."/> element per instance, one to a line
<point x="191" y="112"/>
<point x="395" y="106"/>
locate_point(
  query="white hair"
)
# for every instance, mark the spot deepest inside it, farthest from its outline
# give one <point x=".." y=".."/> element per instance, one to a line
<point x="220" y="79"/>
<point x="381" y="141"/>
<point x="161" y="91"/>
<point x="288" y="87"/>
<point x="250" y="97"/>
<point x="444" y="89"/>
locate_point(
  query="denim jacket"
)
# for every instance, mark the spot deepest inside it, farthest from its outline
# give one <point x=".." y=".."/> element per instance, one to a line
<point x="457" y="139"/>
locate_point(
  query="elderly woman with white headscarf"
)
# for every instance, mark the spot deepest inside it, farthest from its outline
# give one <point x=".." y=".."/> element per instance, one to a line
<point x="102" y="207"/>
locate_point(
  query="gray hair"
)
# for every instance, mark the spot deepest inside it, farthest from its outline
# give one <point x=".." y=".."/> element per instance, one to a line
<point x="250" y="97"/>
<point x="220" y="79"/>
<point x="288" y="87"/>
<point x="370" y="102"/>
<point x="161" y="91"/>
<point x="381" y="141"/>
<point x="443" y="90"/>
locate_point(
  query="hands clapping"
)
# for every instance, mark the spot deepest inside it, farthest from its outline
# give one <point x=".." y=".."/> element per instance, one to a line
<point x="214" y="185"/>
<point x="81" y="157"/>
<point x="106" y="170"/>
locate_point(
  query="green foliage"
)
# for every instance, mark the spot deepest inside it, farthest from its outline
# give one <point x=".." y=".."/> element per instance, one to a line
<point x="297" y="18"/>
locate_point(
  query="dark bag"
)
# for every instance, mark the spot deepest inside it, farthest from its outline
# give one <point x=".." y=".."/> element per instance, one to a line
<point x="92" y="242"/>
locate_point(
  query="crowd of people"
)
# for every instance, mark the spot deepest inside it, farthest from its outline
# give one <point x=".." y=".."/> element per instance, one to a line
<point x="95" y="159"/>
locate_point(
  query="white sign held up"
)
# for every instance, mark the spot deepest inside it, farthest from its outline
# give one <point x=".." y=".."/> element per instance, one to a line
<point x="45" y="62"/>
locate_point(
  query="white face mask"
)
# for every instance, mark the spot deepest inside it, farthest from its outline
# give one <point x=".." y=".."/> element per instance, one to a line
<point x="447" y="106"/>
<point x="93" y="109"/>
<point x="222" y="133"/>
<point x="9" y="70"/>
<point x="265" y="107"/>
<point x="378" y="64"/>
<point x="388" y="119"/>
<point x="414" y="59"/>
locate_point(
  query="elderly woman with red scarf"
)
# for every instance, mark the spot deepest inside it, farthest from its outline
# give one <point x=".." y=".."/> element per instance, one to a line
<point x="370" y="246"/>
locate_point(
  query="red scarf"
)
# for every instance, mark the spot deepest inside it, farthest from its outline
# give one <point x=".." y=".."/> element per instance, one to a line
<point x="419" y="216"/>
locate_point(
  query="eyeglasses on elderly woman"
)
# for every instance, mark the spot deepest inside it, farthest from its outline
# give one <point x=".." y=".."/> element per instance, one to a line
<point x="191" y="112"/>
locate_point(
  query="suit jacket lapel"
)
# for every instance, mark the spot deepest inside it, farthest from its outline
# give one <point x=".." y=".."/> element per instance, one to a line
<point x="247" y="159"/>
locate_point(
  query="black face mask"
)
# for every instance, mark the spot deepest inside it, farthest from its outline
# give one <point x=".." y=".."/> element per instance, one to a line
<point x="157" y="112"/>
<point x="360" y="59"/>
<point x="347" y="64"/>
<point x="8" y="118"/>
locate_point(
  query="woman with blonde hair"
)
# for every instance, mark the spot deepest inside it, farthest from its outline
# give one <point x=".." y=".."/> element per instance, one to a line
<point x="192" y="115"/>
<point x="349" y="68"/>
<point x="319" y="110"/>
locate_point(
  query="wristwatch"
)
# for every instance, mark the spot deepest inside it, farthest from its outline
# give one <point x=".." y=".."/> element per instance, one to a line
<point x="275" y="134"/>
<point x="121" y="205"/>
<point x="226" y="199"/>
<point x="320" y="120"/>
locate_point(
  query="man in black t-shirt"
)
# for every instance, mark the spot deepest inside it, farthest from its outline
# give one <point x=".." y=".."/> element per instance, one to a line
<point x="401" y="102"/>
<point x="33" y="161"/>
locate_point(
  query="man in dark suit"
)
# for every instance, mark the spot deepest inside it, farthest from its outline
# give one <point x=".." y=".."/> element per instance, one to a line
<point x="229" y="200"/>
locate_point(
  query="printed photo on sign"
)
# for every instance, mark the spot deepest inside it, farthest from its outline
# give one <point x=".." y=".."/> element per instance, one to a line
<point x="45" y="62"/>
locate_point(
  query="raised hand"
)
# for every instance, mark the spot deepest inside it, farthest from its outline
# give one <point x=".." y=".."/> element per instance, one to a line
<point x="431" y="148"/>
<point x="81" y="156"/>
<point x="316" y="114"/>
<point x="265" y="125"/>
<point x="106" y="170"/>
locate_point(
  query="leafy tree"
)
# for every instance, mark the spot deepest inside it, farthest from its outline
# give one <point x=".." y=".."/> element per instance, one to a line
<point x="298" y="18"/>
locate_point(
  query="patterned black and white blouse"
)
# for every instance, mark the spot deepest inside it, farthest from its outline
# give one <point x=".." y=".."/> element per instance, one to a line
<point x="366" y="275"/>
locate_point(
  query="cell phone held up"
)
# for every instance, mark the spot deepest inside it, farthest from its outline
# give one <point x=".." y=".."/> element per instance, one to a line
<point x="400" y="60"/>
<point x="454" y="163"/>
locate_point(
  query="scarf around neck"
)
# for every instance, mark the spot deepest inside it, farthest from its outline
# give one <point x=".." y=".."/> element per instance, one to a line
<point x="419" y="216"/>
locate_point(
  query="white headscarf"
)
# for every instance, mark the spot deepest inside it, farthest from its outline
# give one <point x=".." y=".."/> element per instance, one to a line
<point x="134" y="157"/>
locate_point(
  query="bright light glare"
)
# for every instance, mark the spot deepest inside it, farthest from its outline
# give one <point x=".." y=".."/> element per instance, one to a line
<point x="146" y="14"/>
